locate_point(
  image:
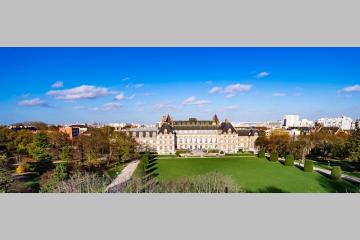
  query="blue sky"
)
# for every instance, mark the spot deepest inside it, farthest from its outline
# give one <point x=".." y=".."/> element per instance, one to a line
<point x="66" y="85"/>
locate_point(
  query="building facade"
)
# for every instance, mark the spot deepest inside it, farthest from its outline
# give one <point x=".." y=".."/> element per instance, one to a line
<point x="194" y="134"/>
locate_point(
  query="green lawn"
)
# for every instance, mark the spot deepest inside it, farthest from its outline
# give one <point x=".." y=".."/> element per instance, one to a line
<point x="253" y="174"/>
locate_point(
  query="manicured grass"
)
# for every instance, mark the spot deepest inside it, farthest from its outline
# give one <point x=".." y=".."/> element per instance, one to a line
<point x="253" y="174"/>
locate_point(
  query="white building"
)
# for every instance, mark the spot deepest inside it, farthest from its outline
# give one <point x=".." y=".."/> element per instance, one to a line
<point x="194" y="134"/>
<point x="344" y="123"/>
<point x="291" y="121"/>
<point x="295" y="121"/>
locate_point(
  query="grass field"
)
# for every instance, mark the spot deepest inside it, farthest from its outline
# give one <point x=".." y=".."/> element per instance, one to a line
<point x="253" y="174"/>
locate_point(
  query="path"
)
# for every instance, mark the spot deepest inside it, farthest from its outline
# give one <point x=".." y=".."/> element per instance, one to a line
<point x="328" y="172"/>
<point x="123" y="177"/>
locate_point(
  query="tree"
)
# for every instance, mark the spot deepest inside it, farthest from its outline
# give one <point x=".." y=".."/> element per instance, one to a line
<point x="59" y="174"/>
<point x="39" y="149"/>
<point x="5" y="179"/>
<point x="353" y="145"/>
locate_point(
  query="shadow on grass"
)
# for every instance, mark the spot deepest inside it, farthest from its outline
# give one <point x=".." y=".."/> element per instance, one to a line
<point x="337" y="186"/>
<point x="268" y="189"/>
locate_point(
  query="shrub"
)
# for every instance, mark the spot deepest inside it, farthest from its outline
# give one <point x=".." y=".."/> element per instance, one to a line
<point x="82" y="183"/>
<point x="209" y="183"/>
<point x="336" y="172"/>
<point x="22" y="168"/>
<point x="50" y="180"/>
<point x="213" y="151"/>
<point x="274" y="157"/>
<point x="221" y="152"/>
<point x="261" y="154"/>
<point x="309" y="166"/>
<point x="289" y="160"/>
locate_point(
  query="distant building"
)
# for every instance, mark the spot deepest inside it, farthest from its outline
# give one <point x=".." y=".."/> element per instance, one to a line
<point x="344" y="123"/>
<point x="291" y="121"/>
<point x="194" y="134"/>
<point x="74" y="130"/>
<point x="23" y="127"/>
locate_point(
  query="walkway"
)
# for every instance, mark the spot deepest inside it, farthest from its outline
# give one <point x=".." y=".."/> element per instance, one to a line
<point x="328" y="172"/>
<point x="123" y="177"/>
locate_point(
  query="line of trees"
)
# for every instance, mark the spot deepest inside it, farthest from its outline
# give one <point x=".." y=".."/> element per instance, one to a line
<point x="319" y="145"/>
<point x="42" y="152"/>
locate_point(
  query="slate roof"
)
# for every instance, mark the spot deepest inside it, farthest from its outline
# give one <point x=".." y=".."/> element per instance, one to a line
<point x="168" y="127"/>
<point x="225" y="126"/>
<point x="246" y="132"/>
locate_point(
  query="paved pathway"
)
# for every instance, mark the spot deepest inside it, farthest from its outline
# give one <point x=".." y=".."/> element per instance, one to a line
<point x="328" y="172"/>
<point x="123" y="177"/>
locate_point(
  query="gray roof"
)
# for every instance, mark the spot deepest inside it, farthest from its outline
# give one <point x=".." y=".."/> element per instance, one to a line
<point x="246" y="132"/>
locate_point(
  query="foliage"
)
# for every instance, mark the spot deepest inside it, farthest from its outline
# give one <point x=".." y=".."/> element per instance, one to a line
<point x="274" y="157"/>
<point x="59" y="174"/>
<point x="23" y="167"/>
<point x="308" y="166"/>
<point x="213" y="151"/>
<point x="353" y="145"/>
<point x="82" y="182"/>
<point x="5" y="179"/>
<point x="289" y="160"/>
<point x="39" y="149"/>
<point x="261" y="154"/>
<point x="221" y="152"/>
<point x="179" y="152"/>
<point x="213" y="182"/>
<point x="336" y="173"/>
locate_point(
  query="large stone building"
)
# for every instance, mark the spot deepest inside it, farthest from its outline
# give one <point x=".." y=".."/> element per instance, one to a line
<point x="194" y="134"/>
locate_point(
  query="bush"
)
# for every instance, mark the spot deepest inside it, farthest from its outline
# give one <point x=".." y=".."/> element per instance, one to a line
<point x="82" y="183"/>
<point x="23" y="167"/>
<point x="309" y="166"/>
<point x="213" y="151"/>
<point x="274" y="157"/>
<point x="289" y="160"/>
<point x="209" y="183"/>
<point x="336" y="172"/>
<point x="261" y="154"/>
<point x="50" y="180"/>
<point x="221" y="152"/>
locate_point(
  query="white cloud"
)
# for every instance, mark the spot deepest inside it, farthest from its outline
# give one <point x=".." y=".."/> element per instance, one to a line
<point x="232" y="90"/>
<point x="262" y="74"/>
<point x="233" y="107"/>
<point x="163" y="106"/>
<point x="57" y="84"/>
<point x="120" y="96"/>
<point x="108" y="107"/>
<point x="139" y="85"/>
<point x="354" y="88"/>
<point x="33" y="102"/>
<point x="215" y="90"/>
<point x="194" y="101"/>
<point x="132" y="97"/>
<point x="279" y="94"/>
<point x="81" y="92"/>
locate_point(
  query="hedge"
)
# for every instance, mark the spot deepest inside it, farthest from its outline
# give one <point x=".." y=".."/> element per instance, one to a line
<point x="289" y="160"/>
<point x="261" y="154"/>
<point x="336" y="172"/>
<point x="274" y="157"/>
<point x="309" y="166"/>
